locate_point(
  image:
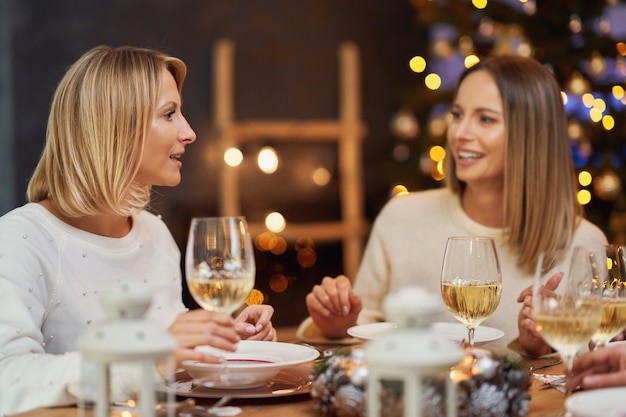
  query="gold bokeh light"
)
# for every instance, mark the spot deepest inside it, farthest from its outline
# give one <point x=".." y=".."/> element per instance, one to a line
<point x="584" y="197"/>
<point x="608" y="122"/>
<point x="471" y="60"/>
<point x="595" y="114"/>
<point x="584" y="178"/>
<point x="233" y="157"/>
<point x="417" y="64"/>
<point x="267" y="160"/>
<point x="255" y="298"/>
<point x="437" y="153"/>
<point x="588" y="100"/>
<point x="275" y="222"/>
<point x="433" y="81"/>
<point x="399" y="190"/>
<point x="321" y="176"/>
<point x="480" y="4"/>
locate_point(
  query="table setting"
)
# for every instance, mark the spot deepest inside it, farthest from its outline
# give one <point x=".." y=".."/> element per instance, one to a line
<point x="542" y="397"/>
<point x="449" y="365"/>
<point x="257" y="369"/>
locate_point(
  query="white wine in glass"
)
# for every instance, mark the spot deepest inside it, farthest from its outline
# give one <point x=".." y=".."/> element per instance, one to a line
<point x="220" y="270"/>
<point x="613" y="296"/>
<point x="567" y="317"/>
<point x="219" y="263"/>
<point x="471" y="281"/>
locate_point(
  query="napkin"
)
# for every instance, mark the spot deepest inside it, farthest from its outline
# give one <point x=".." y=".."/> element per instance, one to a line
<point x="308" y="332"/>
<point x="555" y="381"/>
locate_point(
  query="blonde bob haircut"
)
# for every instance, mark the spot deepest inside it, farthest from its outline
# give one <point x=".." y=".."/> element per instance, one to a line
<point x="99" y="120"/>
<point x="541" y="211"/>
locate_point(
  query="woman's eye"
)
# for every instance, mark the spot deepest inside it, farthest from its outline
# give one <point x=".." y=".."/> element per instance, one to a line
<point x="169" y="115"/>
<point x="455" y="115"/>
<point x="487" y="119"/>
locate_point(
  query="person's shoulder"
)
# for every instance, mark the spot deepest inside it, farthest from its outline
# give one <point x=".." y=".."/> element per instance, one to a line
<point x="21" y="216"/>
<point x="150" y="221"/>
<point x="26" y="224"/>
<point x="415" y="208"/>
<point x="589" y="233"/>
<point x="420" y="200"/>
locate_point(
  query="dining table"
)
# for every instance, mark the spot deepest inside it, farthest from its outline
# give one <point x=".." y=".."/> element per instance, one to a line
<point x="543" y="397"/>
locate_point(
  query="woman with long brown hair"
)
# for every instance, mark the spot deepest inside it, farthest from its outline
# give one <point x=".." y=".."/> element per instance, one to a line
<point x="509" y="175"/>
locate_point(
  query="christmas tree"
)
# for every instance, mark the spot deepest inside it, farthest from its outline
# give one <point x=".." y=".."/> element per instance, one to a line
<point x="581" y="42"/>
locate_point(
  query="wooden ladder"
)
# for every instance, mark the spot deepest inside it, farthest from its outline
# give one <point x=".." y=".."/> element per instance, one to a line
<point x="347" y="131"/>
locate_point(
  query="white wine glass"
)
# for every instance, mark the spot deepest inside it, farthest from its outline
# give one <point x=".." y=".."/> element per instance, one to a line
<point x="568" y="317"/>
<point x="220" y="268"/>
<point x="613" y="296"/>
<point x="219" y="263"/>
<point x="471" y="281"/>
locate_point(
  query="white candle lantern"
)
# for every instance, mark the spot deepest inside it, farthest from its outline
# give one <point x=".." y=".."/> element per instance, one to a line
<point x="128" y="341"/>
<point x="410" y="354"/>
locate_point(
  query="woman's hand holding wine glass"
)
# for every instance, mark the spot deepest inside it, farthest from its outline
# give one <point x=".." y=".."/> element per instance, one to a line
<point x="220" y="267"/>
<point x="471" y="281"/>
<point x="219" y="263"/>
<point x="568" y="317"/>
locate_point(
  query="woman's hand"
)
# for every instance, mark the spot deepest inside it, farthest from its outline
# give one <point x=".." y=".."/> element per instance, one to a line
<point x="529" y="338"/>
<point x="602" y="368"/>
<point x="254" y="323"/>
<point x="333" y="306"/>
<point x="201" y="327"/>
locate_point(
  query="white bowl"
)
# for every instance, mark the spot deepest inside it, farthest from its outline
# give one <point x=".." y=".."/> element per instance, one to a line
<point x="371" y="331"/>
<point x="605" y="402"/>
<point x="251" y="366"/>
<point x="452" y="331"/>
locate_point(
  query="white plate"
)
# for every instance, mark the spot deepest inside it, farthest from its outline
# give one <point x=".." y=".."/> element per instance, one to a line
<point x="458" y="332"/>
<point x="371" y="330"/>
<point x="452" y="331"/>
<point x="290" y="381"/>
<point x="606" y="402"/>
<point x="251" y="366"/>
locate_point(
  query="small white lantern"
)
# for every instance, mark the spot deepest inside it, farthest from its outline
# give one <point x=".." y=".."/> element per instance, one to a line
<point x="127" y="340"/>
<point x="410" y="353"/>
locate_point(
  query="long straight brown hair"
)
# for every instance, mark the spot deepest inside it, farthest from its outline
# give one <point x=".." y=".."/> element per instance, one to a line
<point x="541" y="211"/>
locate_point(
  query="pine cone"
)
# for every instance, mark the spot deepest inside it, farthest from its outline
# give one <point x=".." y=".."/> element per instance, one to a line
<point x="488" y="401"/>
<point x="349" y="401"/>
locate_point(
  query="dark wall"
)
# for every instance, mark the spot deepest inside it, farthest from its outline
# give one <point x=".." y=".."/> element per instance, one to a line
<point x="286" y="67"/>
<point x="7" y="185"/>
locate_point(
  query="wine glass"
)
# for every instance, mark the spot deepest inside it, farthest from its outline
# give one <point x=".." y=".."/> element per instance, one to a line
<point x="567" y="317"/>
<point x="471" y="281"/>
<point x="220" y="269"/>
<point x="219" y="263"/>
<point x="613" y="296"/>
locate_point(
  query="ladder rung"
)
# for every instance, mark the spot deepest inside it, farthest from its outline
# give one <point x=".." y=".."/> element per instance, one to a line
<point x="320" y="232"/>
<point x="293" y="130"/>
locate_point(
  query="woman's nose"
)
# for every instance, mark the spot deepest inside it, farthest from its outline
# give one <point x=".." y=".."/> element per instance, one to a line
<point x="187" y="134"/>
<point x="462" y="129"/>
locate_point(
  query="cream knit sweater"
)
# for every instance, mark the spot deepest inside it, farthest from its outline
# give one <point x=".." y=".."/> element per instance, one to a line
<point x="406" y="247"/>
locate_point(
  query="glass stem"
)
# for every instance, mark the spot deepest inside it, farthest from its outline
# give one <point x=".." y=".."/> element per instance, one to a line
<point x="569" y="364"/>
<point x="470" y="336"/>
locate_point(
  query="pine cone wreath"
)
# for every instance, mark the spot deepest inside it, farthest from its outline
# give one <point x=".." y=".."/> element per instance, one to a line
<point x="488" y="384"/>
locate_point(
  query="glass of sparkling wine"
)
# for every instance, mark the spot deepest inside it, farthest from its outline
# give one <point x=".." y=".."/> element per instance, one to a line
<point x="568" y="316"/>
<point x="613" y="295"/>
<point x="219" y="263"/>
<point x="471" y="281"/>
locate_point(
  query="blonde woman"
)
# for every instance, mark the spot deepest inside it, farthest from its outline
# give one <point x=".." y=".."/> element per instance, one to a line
<point x="115" y="130"/>
<point x="509" y="176"/>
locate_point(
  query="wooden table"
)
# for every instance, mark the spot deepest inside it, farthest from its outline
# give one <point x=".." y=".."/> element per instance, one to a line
<point x="543" y="399"/>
